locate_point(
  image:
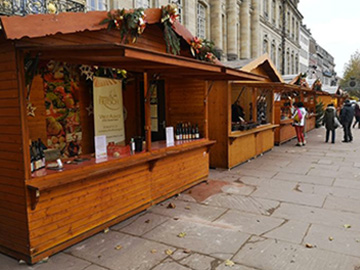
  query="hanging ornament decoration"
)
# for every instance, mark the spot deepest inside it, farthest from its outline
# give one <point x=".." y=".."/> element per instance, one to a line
<point x="169" y="16"/>
<point x="90" y="109"/>
<point x="30" y="109"/>
<point x="52" y="8"/>
<point x="87" y="71"/>
<point x="130" y="24"/>
<point x="195" y="46"/>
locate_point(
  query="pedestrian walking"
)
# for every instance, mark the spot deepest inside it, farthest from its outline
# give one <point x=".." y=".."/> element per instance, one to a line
<point x="346" y="117"/>
<point x="299" y="122"/>
<point x="357" y="115"/>
<point x="331" y="122"/>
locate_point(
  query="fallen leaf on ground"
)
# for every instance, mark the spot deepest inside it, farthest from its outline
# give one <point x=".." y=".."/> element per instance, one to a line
<point x="171" y="206"/>
<point x="118" y="247"/>
<point x="357" y="240"/>
<point x="106" y="230"/>
<point x="147" y="221"/>
<point x="22" y="262"/>
<point x="176" y="218"/>
<point x="331" y="238"/>
<point x="309" y="245"/>
<point x="187" y="207"/>
<point x="347" y="226"/>
<point x="181" y="235"/>
<point x="169" y="252"/>
<point x="187" y="251"/>
<point x="229" y="263"/>
<point x="153" y="251"/>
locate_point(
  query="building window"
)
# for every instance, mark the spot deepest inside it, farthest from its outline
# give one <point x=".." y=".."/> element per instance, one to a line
<point x="97" y="5"/>
<point x="280" y="60"/>
<point x="297" y="32"/>
<point x="292" y="63"/>
<point x="179" y="3"/>
<point x="273" y="52"/>
<point x="288" y="61"/>
<point x="266" y="8"/>
<point x="265" y="46"/>
<point x="293" y="27"/>
<point x="296" y="64"/>
<point x="201" y="20"/>
<point x="281" y="17"/>
<point x="288" y="23"/>
<point x="273" y="7"/>
<point x="142" y="4"/>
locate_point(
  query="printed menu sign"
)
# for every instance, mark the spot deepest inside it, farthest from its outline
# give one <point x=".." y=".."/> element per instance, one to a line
<point x="108" y="110"/>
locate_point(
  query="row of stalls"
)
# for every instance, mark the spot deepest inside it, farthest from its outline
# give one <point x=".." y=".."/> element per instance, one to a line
<point x="64" y="85"/>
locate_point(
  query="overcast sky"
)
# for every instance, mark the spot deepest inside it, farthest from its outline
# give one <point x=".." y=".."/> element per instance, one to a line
<point x="335" y="26"/>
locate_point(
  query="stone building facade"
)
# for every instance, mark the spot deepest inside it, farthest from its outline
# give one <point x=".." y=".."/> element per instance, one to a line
<point x="240" y="29"/>
<point x="305" y="36"/>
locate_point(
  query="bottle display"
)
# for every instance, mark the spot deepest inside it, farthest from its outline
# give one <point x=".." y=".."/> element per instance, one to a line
<point x="185" y="131"/>
<point x="37" y="155"/>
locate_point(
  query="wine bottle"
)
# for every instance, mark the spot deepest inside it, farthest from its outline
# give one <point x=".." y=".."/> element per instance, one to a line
<point x="32" y="159"/>
<point x="37" y="155"/>
<point x="177" y="132"/>
<point x="197" y="134"/>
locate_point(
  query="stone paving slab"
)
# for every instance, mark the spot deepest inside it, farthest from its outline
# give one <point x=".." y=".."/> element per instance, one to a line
<point x="135" y="253"/>
<point x="269" y="254"/>
<point x="327" y="190"/>
<point x="200" y="262"/>
<point x="58" y="261"/>
<point x="290" y="196"/>
<point x="141" y="224"/>
<point x="347" y="183"/>
<point x="189" y="210"/>
<point x="243" y="203"/>
<point x="248" y="223"/>
<point x="292" y="231"/>
<point x="238" y="189"/>
<point x="318" y="180"/>
<point x="251" y="172"/>
<point x="95" y="267"/>
<point x="342" y="241"/>
<point x="318" y="216"/>
<point x="235" y="267"/>
<point x="170" y="264"/>
<point x="342" y="204"/>
<point x="217" y="242"/>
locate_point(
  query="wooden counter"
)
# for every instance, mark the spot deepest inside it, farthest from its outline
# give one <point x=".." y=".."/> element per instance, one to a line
<point x="244" y="145"/>
<point x="84" y="199"/>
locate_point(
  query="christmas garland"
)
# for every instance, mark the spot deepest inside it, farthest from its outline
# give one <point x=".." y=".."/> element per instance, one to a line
<point x="203" y="49"/>
<point x="131" y="25"/>
<point x="168" y="17"/>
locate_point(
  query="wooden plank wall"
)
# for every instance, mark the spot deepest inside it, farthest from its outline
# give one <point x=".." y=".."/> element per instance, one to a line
<point x="72" y="210"/>
<point x="13" y="217"/>
<point x="218" y="124"/>
<point x="185" y="101"/>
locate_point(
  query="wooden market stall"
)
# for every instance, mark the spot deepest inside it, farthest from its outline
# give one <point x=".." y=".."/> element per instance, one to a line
<point x="238" y="140"/>
<point x="45" y="211"/>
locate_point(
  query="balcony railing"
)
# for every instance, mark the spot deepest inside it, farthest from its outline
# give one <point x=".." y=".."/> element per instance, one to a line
<point x="25" y="7"/>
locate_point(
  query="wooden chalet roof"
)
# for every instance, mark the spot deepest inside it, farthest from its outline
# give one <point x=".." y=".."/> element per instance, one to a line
<point x="264" y="66"/>
<point x="79" y="38"/>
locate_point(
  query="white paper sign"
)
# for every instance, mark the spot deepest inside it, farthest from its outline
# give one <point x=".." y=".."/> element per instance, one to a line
<point x="100" y="147"/>
<point x="170" y="136"/>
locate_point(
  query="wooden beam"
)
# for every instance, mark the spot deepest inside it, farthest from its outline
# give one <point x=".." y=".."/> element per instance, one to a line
<point x="147" y="112"/>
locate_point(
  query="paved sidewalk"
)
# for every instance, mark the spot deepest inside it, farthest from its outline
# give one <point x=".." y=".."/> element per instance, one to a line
<point x="294" y="208"/>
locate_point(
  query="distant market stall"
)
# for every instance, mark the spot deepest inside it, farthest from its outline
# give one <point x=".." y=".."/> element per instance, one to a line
<point x="241" y="115"/>
<point x="108" y="113"/>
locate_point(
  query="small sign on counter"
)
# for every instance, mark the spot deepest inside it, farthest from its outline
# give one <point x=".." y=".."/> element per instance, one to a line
<point x="100" y="147"/>
<point x="170" y="136"/>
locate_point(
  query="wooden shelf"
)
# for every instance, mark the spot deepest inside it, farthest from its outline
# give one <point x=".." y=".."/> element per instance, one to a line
<point x="286" y="121"/>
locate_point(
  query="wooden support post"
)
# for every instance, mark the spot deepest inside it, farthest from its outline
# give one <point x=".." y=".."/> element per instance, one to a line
<point x="254" y="105"/>
<point x="147" y="112"/>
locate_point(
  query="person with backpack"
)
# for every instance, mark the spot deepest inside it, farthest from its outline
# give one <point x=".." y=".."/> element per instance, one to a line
<point x="346" y="118"/>
<point x="299" y="122"/>
<point x="331" y="122"/>
<point x="357" y="115"/>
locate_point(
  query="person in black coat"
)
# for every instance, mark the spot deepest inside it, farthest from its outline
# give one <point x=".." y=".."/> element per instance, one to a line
<point x="346" y="118"/>
<point x="237" y="112"/>
<point x="329" y="122"/>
